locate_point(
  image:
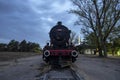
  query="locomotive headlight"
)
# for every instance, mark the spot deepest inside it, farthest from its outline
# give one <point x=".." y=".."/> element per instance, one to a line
<point x="47" y="53"/>
<point x="74" y="53"/>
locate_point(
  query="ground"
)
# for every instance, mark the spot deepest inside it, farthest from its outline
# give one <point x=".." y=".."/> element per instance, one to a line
<point x="95" y="68"/>
<point x="89" y="67"/>
<point x="22" y="69"/>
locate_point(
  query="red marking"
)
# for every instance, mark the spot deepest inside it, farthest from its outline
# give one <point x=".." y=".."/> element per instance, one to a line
<point x="60" y="52"/>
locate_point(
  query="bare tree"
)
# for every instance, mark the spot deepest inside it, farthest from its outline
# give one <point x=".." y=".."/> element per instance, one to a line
<point x="73" y="38"/>
<point x="99" y="17"/>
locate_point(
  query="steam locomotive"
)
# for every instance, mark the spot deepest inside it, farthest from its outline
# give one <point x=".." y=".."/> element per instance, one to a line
<point x="60" y="51"/>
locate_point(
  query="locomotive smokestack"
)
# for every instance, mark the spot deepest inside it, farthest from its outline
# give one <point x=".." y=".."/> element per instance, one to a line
<point x="59" y="23"/>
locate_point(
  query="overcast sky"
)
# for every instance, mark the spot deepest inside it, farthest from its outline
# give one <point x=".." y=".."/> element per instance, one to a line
<point x="32" y="19"/>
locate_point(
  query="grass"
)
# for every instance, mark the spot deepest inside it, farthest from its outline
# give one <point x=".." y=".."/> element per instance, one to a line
<point x="5" y="56"/>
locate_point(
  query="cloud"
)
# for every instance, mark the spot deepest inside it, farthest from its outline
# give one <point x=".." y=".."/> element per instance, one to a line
<point x="32" y="19"/>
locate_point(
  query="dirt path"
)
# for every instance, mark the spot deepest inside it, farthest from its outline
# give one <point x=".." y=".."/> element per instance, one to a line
<point x="94" y="68"/>
<point x="91" y="68"/>
<point x="23" y="69"/>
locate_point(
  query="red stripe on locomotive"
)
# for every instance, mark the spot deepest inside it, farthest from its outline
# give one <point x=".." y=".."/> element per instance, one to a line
<point x="60" y="52"/>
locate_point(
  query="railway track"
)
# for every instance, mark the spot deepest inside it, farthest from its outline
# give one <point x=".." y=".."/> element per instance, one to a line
<point x="66" y="73"/>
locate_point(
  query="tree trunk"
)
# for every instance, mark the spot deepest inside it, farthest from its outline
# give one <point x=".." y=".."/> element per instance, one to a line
<point x="104" y="49"/>
<point x="112" y="52"/>
<point x="100" y="51"/>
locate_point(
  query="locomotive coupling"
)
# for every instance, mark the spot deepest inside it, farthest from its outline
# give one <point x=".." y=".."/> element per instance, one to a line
<point x="74" y="53"/>
<point x="46" y="53"/>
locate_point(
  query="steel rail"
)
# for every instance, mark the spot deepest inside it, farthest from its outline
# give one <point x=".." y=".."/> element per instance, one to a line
<point x="50" y="74"/>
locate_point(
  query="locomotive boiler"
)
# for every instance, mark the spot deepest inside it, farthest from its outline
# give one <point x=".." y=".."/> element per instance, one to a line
<point x="60" y="51"/>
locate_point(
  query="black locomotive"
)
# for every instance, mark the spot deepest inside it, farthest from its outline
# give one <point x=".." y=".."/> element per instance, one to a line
<point x="60" y="51"/>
